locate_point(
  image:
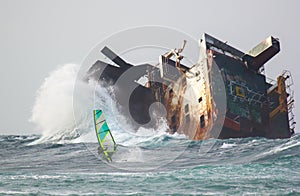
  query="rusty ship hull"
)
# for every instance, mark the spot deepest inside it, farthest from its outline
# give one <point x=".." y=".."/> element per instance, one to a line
<point x="224" y="95"/>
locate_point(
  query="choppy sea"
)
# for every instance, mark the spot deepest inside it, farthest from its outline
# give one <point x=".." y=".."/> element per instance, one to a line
<point x="162" y="165"/>
<point x="64" y="159"/>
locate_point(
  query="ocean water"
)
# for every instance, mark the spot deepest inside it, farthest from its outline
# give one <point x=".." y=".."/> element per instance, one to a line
<point x="248" y="166"/>
<point x="63" y="159"/>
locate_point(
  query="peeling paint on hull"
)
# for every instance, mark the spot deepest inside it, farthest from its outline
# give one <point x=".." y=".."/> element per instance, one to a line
<point x="224" y="95"/>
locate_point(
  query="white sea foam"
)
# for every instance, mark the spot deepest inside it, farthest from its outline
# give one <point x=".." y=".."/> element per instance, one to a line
<point x="53" y="108"/>
<point x="283" y="147"/>
<point x="36" y="177"/>
<point x="227" y="145"/>
<point x="63" y="111"/>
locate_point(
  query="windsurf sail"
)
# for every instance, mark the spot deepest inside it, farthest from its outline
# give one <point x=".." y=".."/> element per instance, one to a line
<point x="105" y="139"/>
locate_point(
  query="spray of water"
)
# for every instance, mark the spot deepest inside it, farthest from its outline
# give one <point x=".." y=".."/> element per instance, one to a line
<point x="62" y="117"/>
<point x="53" y="109"/>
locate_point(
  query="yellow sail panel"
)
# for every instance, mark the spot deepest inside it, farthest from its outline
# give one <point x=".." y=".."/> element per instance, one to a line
<point x="105" y="139"/>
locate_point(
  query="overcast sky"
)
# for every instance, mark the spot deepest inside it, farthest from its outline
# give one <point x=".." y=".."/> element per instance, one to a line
<point x="37" y="36"/>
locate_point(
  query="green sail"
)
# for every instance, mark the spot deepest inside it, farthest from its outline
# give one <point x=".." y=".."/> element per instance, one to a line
<point x="104" y="136"/>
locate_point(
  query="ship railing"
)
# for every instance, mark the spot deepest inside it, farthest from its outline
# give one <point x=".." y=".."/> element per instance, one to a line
<point x="290" y="99"/>
<point x="292" y="121"/>
<point x="289" y="79"/>
<point x="286" y="74"/>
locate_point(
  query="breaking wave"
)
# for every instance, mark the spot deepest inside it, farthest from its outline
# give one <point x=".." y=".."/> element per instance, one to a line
<point x="52" y="111"/>
<point x="64" y="116"/>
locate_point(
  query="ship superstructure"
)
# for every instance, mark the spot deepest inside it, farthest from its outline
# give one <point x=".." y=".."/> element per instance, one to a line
<point x="224" y="95"/>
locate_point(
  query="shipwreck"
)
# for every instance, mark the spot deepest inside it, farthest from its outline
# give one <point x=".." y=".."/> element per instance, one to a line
<point x="226" y="94"/>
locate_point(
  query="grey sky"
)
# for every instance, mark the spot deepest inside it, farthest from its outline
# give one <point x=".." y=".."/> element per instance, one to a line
<point x="37" y="36"/>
